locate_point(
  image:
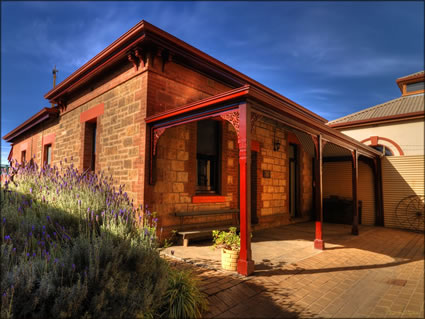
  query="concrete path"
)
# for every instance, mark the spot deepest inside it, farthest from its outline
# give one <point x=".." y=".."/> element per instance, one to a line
<point x="378" y="274"/>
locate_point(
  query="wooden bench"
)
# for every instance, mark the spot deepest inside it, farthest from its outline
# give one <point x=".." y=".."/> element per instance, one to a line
<point x="205" y="232"/>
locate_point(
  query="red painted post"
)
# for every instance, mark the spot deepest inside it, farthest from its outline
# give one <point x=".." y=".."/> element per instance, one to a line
<point x="245" y="262"/>
<point x="355" y="178"/>
<point x="318" y="160"/>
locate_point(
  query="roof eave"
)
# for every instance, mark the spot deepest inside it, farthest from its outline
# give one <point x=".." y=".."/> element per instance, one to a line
<point x="244" y="93"/>
<point x="41" y="116"/>
<point x="152" y="33"/>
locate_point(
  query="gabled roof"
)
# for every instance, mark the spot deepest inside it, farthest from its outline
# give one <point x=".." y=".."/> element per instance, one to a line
<point x="400" y="108"/>
<point x="41" y="116"/>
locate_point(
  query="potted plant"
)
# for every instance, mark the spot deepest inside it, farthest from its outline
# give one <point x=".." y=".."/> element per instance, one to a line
<point x="230" y="243"/>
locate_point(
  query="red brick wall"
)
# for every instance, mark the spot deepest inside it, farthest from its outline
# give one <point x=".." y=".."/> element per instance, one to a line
<point x="33" y="141"/>
<point x="175" y="178"/>
<point x="273" y="192"/>
<point x="177" y="86"/>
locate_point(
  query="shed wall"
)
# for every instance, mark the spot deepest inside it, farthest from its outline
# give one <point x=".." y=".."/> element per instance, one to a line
<point x="402" y="177"/>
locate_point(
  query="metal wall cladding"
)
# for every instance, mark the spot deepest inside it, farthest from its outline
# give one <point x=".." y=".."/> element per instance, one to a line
<point x="403" y="184"/>
<point x="337" y="181"/>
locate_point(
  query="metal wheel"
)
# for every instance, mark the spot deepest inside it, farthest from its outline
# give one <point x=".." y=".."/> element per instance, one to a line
<point x="410" y="212"/>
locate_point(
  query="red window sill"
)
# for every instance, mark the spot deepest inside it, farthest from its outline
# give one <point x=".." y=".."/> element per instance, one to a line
<point x="208" y="199"/>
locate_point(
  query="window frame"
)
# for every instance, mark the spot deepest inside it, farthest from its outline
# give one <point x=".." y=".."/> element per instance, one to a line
<point x="46" y="155"/>
<point x="384" y="149"/>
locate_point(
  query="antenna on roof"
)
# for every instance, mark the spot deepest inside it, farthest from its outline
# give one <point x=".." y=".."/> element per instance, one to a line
<point x="54" y="71"/>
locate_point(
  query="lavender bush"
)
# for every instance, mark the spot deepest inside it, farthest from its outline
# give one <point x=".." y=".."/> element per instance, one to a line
<point x="74" y="246"/>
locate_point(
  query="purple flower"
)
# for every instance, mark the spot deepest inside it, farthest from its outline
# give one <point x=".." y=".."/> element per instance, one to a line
<point x="28" y="254"/>
<point x="73" y="266"/>
<point x="7" y="237"/>
<point x="31" y="190"/>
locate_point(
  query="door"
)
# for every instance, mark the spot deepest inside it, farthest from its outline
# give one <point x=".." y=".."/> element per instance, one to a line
<point x="254" y="161"/>
<point x="293" y="180"/>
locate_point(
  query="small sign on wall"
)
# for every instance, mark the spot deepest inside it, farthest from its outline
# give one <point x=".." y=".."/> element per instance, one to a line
<point x="266" y="173"/>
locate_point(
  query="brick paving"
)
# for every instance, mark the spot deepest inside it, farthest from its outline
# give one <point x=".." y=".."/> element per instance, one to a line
<point x="379" y="274"/>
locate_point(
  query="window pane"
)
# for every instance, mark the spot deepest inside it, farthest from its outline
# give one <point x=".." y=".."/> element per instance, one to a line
<point x="207" y="155"/>
<point x="207" y="143"/>
<point x="415" y="86"/>
<point x="388" y="152"/>
<point x="49" y="154"/>
<point x="379" y="148"/>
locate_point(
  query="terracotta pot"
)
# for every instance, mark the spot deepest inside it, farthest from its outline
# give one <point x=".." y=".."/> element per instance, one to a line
<point x="229" y="259"/>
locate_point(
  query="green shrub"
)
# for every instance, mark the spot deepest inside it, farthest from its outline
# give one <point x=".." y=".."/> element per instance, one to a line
<point x="182" y="298"/>
<point x="226" y="239"/>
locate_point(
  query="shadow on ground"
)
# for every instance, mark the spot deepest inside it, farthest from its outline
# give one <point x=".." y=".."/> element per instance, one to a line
<point x="233" y="296"/>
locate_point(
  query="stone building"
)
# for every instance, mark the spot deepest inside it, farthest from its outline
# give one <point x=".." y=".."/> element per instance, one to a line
<point x="202" y="144"/>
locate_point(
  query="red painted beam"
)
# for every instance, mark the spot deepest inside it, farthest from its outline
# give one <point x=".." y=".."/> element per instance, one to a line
<point x="219" y="98"/>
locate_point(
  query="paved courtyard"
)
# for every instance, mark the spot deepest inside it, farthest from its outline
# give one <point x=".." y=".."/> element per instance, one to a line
<point x="378" y="274"/>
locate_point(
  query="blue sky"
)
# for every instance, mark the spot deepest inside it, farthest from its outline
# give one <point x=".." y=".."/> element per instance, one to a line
<point x="334" y="58"/>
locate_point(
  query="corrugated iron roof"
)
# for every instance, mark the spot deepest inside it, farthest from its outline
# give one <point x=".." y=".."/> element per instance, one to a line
<point x="402" y="105"/>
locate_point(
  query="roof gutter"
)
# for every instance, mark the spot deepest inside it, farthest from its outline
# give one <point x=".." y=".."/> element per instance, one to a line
<point x="390" y="118"/>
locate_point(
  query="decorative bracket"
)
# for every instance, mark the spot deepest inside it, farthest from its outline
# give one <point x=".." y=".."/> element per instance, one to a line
<point x="61" y="105"/>
<point x="232" y="118"/>
<point x="133" y="60"/>
<point x="156" y="135"/>
<point x="139" y="54"/>
<point x="254" y="118"/>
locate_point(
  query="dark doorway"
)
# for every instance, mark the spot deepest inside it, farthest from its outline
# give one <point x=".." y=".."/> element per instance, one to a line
<point x="254" y="162"/>
<point x="294" y="180"/>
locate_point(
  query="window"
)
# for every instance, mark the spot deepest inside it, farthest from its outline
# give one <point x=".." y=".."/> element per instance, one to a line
<point x="23" y="156"/>
<point x="207" y="156"/>
<point x="89" y="159"/>
<point x="412" y="87"/>
<point x="384" y="149"/>
<point x="48" y="154"/>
